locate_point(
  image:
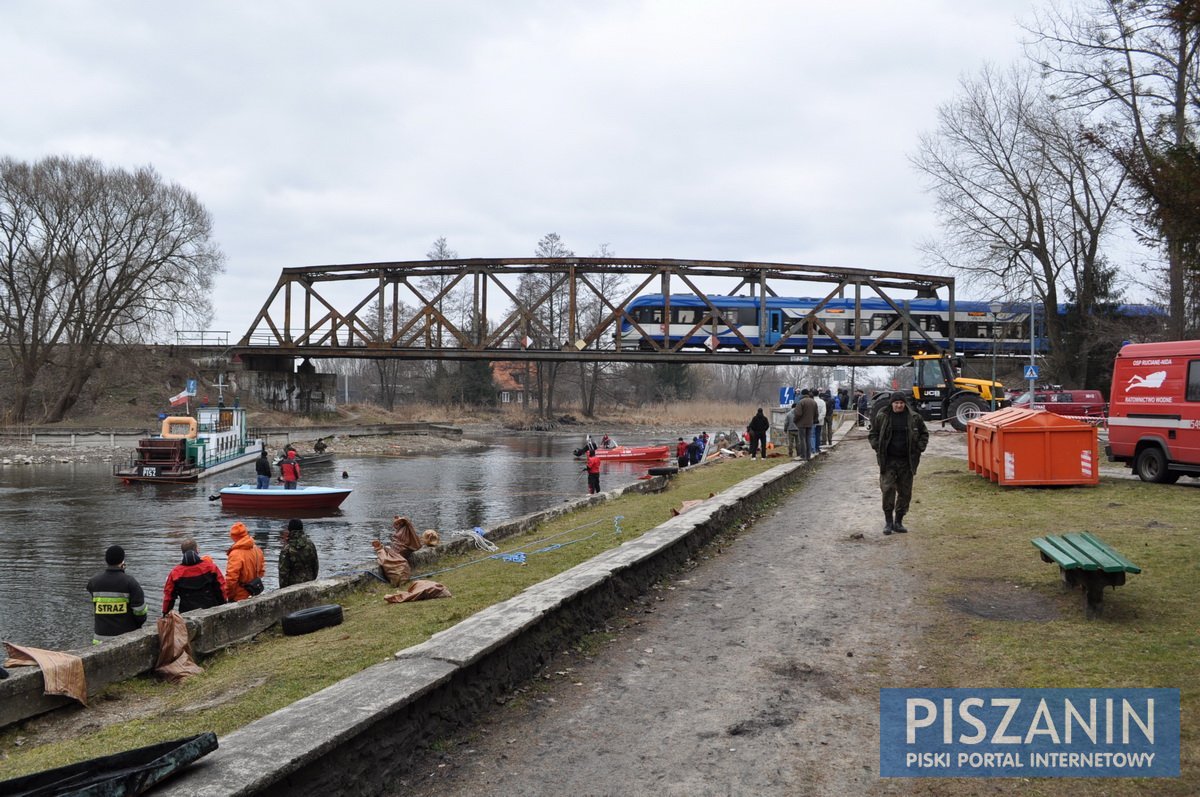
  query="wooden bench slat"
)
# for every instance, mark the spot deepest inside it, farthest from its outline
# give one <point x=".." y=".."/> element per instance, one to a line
<point x="1126" y="565"/>
<point x="1083" y="551"/>
<point x="1065" y="556"/>
<point x="1100" y="553"/>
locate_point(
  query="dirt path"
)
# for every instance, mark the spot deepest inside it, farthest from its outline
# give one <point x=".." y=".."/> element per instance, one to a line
<point x="757" y="672"/>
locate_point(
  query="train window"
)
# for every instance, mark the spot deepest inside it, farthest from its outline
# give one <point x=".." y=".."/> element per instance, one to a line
<point x="684" y="315"/>
<point x="747" y="316"/>
<point x="648" y="315"/>
<point x="881" y="321"/>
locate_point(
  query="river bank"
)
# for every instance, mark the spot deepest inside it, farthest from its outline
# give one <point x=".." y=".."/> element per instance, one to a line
<point x="25" y="453"/>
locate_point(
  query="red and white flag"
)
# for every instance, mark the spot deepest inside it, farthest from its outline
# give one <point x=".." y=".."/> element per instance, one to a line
<point x="179" y="398"/>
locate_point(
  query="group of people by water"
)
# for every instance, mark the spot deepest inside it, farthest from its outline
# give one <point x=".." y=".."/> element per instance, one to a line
<point x="119" y="603"/>
<point x="808" y="424"/>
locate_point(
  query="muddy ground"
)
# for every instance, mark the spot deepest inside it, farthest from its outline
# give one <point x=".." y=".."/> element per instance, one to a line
<point x="755" y="672"/>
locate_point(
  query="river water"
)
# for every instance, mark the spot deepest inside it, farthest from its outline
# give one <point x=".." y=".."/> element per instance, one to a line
<point x="57" y="520"/>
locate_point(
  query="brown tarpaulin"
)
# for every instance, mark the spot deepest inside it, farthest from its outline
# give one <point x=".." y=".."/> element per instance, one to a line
<point x="62" y="672"/>
<point x="175" y="660"/>
<point x="420" y="591"/>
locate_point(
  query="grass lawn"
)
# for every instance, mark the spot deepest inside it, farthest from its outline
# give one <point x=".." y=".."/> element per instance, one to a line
<point x="245" y="682"/>
<point x="998" y="616"/>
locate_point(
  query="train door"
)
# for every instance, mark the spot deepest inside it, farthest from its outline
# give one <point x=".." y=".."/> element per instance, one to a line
<point x="773" y="328"/>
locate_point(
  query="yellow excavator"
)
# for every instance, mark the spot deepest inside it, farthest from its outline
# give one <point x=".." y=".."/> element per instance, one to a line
<point x="939" y="393"/>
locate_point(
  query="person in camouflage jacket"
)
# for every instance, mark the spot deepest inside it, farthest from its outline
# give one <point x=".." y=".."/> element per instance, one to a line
<point x="298" y="557"/>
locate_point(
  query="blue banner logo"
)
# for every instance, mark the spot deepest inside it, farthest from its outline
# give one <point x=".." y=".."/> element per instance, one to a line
<point x="1021" y="733"/>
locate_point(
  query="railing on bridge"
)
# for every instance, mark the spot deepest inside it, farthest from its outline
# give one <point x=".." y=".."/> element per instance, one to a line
<point x="201" y="337"/>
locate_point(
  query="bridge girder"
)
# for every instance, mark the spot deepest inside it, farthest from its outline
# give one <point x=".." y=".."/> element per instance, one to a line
<point x="559" y="309"/>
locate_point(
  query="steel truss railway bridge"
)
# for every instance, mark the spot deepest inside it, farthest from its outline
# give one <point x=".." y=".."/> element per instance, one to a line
<point x="566" y="309"/>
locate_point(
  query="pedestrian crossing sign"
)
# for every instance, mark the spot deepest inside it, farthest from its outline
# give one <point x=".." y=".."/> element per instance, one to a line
<point x="1031" y="372"/>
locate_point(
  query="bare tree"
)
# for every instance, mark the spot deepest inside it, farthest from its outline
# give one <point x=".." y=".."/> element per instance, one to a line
<point x="1021" y="198"/>
<point x="548" y="327"/>
<point x="110" y="256"/>
<point x="590" y="312"/>
<point x="1132" y="64"/>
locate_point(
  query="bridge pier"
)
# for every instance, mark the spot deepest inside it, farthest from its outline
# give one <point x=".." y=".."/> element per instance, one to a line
<point x="276" y="382"/>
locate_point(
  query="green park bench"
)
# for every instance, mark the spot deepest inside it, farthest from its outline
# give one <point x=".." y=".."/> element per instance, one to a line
<point x="1087" y="562"/>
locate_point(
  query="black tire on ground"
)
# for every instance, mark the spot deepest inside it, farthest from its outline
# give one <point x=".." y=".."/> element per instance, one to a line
<point x="965" y="409"/>
<point x="312" y="619"/>
<point x="1151" y="466"/>
<point x="665" y="470"/>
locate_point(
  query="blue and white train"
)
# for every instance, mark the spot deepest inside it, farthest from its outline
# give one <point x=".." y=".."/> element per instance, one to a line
<point x="976" y="328"/>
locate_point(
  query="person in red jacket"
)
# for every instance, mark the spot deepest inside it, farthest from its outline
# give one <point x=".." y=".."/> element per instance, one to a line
<point x="197" y="582"/>
<point x="246" y="563"/>
<point x="289" y="471"/>
<point x="593" y="472"/>
<point x="681" y="453"/>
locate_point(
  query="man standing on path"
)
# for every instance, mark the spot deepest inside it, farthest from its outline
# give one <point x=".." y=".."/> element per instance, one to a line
<point x="792" y="431"/>
<point x="757" y="428"/>
<point x="814" y="443"/>
<point x="118" y="603"/>
<point x="806" y="418"/>
<point x="899" y="437"/>
<point x="830" y="405"/>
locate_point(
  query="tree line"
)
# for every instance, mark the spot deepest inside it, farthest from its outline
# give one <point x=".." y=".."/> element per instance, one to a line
<point x="1038" y="168"/>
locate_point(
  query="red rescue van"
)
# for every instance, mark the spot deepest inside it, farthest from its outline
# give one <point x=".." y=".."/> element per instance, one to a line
<point x="1154" y="410"/>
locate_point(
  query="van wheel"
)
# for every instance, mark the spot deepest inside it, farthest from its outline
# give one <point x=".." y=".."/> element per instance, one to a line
<point x="312" y="619"/>
<point x="965" y="409"/>
<point x="1151" y="466"/>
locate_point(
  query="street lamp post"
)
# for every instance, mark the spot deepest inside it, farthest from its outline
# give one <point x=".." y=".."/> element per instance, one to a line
<point x="1032" y="355"/>
<point x="995" y="308"/>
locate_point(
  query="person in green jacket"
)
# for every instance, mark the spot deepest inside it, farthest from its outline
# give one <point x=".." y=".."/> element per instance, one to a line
<point x="298" y="557"/>
<point x="899" y="437"/>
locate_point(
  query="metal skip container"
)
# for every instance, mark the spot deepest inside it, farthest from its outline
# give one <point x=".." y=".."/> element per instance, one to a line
<point x="1027" y="448"/>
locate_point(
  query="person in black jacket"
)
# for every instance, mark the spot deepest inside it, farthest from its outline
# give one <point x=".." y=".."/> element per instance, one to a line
<point x="262" y="467"/>
<point x="197" y="582"/>
<point x="757" y="428"/>
<point x="118" y="603"/>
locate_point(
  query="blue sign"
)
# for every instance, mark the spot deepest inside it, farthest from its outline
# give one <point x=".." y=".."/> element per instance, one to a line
<point x="191" y="387"/>
<point x="787" y="395"/>
<point x="1029" y="733"/>
<point x="1031" y="372"/>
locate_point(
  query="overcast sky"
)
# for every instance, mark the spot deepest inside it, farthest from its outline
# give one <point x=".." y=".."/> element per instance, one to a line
<point x="323" y="132"/>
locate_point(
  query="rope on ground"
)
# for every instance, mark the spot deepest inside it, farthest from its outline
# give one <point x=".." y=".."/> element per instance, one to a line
<point x="476" y="537"/>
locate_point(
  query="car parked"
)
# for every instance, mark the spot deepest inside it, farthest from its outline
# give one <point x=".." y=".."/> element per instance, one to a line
<point x="1076" y="403"/>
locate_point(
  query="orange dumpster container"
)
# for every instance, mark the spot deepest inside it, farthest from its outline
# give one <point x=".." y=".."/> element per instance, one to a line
<point x="1019" y="447"/>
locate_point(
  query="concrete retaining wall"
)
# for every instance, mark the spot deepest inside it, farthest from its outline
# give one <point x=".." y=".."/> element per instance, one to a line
<point x="356" y="737"/>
